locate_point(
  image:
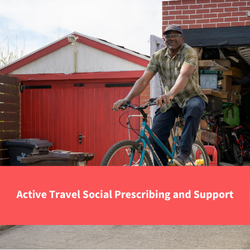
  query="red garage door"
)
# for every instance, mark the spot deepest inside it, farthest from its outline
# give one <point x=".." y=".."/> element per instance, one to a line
<point x="66" y="112"/>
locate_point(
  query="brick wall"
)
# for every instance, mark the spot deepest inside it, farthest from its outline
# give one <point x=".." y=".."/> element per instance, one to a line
<point x="145" y="96"/>
<point x="196" y="14"/>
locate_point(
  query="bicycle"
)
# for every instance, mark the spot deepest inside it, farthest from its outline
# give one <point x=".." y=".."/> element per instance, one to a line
<point x="241" y="145"/>
<point x="222" y="131"/>
<point x="136" y="153"/>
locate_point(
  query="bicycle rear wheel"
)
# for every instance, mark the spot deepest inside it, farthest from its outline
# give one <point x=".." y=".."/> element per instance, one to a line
<point x="198" y="155"/>
<point x="237" y="154"/>
<point x="120" y="155"/>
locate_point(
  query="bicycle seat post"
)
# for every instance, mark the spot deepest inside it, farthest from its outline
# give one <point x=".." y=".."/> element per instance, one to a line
<point x="177" y="125"/>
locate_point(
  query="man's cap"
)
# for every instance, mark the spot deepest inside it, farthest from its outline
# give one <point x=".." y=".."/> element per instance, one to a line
<point x="173" y="27"/>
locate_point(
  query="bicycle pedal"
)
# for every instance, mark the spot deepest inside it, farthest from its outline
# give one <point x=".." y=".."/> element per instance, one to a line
<point x="172" y="164"/>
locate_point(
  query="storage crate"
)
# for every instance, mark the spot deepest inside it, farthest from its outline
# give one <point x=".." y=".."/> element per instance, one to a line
<point x="210" y="137"/>
<point x="209" y="81"/>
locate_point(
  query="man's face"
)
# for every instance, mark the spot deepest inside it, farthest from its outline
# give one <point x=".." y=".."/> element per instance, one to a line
<point x="173" y="43"/>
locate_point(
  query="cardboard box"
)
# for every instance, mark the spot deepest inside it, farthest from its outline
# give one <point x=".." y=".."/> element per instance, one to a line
<point x="236" y="88"/>
<point x="236" y="98"/>
<point x="226" y="84"/>
<point x="236" y="72"/>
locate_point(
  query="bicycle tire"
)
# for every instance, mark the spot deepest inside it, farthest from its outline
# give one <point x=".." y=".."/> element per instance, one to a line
<point x="246" y="137"/>
<point x="247" y="145"/>
<point x="225" y="146"/>
<point x="218" y="155"/>
<point x="118" y="155"/>
<point x="199" y="147"/>
<point x="237" y="154"/>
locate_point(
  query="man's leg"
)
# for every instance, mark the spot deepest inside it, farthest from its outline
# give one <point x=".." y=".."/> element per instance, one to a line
<point x="193" y="111"/>
<point x="162" y="124"/>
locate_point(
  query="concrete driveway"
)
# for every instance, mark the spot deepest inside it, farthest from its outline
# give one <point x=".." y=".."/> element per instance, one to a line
<point x="126" y="237"/>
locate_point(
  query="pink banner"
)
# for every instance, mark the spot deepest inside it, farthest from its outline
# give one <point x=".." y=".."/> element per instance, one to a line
<point x="124" y="195"/>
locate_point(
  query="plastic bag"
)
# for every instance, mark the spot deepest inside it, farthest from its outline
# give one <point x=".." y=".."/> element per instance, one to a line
<point x="231" y="114"/>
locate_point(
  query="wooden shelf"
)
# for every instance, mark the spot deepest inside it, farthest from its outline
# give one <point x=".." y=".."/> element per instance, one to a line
<point x="216" y="93"/>
<point x="212" y="65"/>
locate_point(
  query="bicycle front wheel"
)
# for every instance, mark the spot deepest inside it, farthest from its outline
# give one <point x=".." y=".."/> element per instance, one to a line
<point x="125" y="152"/>
<point x="198" y="155"/>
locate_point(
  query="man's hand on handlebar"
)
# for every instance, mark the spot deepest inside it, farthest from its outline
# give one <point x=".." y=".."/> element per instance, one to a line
<point x="119" y="103"/>
<point x="166" y="98"/>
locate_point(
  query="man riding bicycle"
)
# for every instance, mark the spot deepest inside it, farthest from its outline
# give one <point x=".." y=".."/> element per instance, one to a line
<point x="177" y="65"/>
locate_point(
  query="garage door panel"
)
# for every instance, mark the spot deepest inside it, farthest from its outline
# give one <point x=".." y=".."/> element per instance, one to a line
<point x="61" y="114"/>
<point x="102" y="129"/>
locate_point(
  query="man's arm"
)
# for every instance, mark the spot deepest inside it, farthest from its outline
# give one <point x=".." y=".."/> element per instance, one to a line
<point x="137" y="89"/>
<point x="181" y="82"/>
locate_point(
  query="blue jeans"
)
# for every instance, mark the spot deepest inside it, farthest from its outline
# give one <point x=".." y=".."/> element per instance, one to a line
<point x="164" y="122"/>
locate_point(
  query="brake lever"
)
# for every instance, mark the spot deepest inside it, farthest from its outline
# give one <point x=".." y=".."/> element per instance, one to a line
<point x="125" y="105"/>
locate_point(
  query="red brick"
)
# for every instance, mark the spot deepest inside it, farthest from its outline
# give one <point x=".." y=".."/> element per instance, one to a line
<point x="223" y="5"/>
<point x="202" y="21"/>
<point x="242" y="18"/>
<point x="231" y="1"/>
<point x="165" y="13"/>
<point x="184" y="27"/>
<point x="231" y="19"/>
<point x="248" y="3"/>
<point x="215" y="15"/>
<point x="175" y="12"/>
<point x="182" y="17"/>
<point x="211" y="25"/>
<point x="164" y="3"/>
<point x="168" y="8"/>
<point x="188" y="12"/>
<point x="202" y="11"/>
<point x="238" y="13"/>
<point x="239" y="4"/>
<point x="189" y="2"/>
<point x="220" y="25"/>
<point x="195" y="6"/>
<point x="182" y="7"/>
<point x="209" y="6"/>
<point x="165" y="22"/>
<point x="188" y="22"/>
<point x="175" y="3"/>
<point x="247" y="23"/>
<point x="203" y="1"/>
<point x="217" y="1"/>
<point x="234" y="24"/>
<point x="231" y="9"/>
<point x="224" y="14"/>
<point x="167" y="17"/>
<point x="179" y="22"/>
<point x="217" y="10"/>
<point x="244" y="9"/>
<point x="195" y="26"/>
<point x="216" y="20"/>
<point x="196" y="16"/>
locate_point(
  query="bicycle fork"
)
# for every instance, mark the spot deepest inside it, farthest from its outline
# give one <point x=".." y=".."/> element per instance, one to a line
<point x="142" y="149"/>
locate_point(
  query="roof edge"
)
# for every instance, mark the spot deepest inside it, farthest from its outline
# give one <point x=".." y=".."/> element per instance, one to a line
<point x="90" y="41"/>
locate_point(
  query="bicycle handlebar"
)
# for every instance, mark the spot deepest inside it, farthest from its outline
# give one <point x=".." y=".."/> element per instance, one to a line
<point x="151" y="102"/>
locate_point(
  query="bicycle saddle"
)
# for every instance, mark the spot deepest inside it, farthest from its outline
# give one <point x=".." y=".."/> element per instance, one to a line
<point x="177" y="110"/>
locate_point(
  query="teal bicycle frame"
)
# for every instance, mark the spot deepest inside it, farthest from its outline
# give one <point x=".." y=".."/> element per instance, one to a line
<point x="145" y="141"/>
